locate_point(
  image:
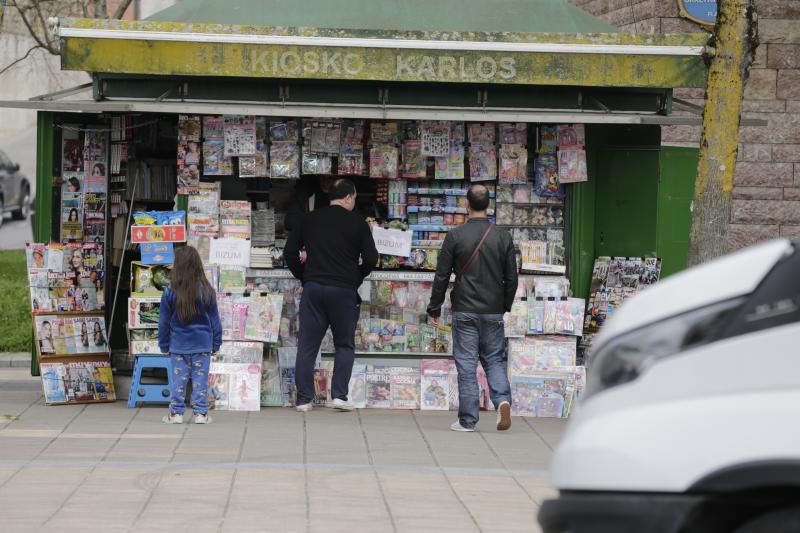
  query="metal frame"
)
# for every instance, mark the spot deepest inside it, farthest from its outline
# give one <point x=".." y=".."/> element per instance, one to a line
<point x="402" y="44"/>
<point x="374" y="111"/>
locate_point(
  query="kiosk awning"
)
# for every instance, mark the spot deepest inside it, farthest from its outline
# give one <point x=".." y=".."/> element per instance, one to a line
<point x="375" y="112"/>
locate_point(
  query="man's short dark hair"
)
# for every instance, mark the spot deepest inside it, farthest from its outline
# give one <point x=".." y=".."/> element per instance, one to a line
<point x="341" y="188"/>
<point x="478" y="198"/>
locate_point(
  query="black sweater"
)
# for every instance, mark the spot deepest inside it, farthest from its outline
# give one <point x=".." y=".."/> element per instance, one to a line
<point x="334" y="239"/>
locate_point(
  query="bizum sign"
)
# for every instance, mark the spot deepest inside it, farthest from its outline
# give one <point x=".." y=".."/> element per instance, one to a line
<point x="405" y="66"/>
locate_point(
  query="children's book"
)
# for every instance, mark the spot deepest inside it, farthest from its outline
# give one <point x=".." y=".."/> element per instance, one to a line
<point x="552" y="351"/>
<point x="539" y="395"/>
<point x="522" y="356"/>
<point x="517" y="324"/>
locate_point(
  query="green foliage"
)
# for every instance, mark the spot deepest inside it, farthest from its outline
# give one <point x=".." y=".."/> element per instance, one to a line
<point x="15" y="309"/>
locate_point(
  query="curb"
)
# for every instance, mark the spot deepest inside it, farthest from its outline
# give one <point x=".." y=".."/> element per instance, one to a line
<point x="15" y="360"/>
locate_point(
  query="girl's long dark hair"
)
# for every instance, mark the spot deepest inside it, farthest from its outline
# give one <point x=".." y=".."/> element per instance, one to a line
<point x="189" y="283"/>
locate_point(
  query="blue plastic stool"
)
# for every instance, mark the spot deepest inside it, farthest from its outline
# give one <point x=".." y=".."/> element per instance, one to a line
<point x="150" y="393"/>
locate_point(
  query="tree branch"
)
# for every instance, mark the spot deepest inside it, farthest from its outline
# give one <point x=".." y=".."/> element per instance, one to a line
<point x="23" y="58"/>
<point x="123" y="6"/>
<point x="32" y="32"/>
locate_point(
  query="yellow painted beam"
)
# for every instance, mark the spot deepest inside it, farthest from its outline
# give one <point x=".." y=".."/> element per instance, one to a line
<point x="379" y="64"/>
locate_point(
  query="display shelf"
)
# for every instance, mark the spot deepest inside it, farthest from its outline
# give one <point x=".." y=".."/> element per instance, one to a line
<point x="529" y="226"/>
<point x="430" y="227"/>
<point x="416" y="355"/>
<point x="432" y="209"/>
<point x="546" y="269"/>
<point x="530" y="204"/>
<point x="422" y="243"/>
<point x="441" y="192"/>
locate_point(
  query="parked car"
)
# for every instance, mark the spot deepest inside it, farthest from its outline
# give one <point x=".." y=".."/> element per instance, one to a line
<point x="691" y="419"/>
<point x="15" y="190"/>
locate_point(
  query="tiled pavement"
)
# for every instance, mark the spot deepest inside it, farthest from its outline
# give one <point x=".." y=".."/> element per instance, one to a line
<point x="104" y="467"/>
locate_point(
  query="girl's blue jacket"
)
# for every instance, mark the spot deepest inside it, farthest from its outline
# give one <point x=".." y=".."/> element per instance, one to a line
<point x="201" y="335"/>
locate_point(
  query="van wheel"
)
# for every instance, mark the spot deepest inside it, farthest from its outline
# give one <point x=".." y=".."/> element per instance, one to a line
<point x="778" y="521"/>
<point x="25" y="205"/>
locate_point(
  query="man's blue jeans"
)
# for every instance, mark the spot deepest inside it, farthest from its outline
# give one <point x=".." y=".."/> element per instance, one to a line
<point x="479" y="337"/>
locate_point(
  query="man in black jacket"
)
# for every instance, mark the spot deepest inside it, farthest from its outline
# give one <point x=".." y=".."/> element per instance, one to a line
<point x="482" y="257"/>
<point x="340" y="253"/>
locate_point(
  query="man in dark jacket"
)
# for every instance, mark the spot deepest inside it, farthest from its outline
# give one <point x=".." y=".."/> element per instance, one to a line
<point x="482" y="257"/>
<point x="340" y="253"/>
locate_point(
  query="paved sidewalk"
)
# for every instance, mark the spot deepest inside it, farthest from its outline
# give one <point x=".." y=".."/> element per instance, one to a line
<point x="104" y="467"/>
<point x="15" y="360"/>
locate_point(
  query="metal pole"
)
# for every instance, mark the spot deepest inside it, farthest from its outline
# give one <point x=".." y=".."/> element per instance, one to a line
<point x="124" y="251"/>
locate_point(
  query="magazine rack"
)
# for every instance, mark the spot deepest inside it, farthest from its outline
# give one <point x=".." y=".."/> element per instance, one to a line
<point x="75" y="366"/>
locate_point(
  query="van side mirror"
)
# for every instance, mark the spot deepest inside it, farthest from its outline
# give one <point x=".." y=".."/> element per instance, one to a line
<point x="14" y="167"/>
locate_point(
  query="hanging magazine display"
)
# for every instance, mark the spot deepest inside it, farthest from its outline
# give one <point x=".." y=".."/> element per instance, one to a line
<point x="435" y="138"/>
<point x="239" y="135"/>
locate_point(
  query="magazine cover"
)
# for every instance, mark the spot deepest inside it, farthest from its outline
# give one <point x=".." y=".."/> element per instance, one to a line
<point x="287" y="358"/>
<point x="239" y="134"/>
<point x="72" y="223"/>
<point x="284" y="160"/>
<point x="513" y="164"/>
<point x="379" y="387"/>
<point x="405" y="383"/>
<point x="435" y="385"/>
<point x="232" y="279"/>
<point x="54" y="382"/>
<point x="357" y="390"/>
<point x="239" y="317"/>
<point x="143" y="311"/>
<point x="214" y="161"/>
<point x="240" y="352"/>
<point x="46" y="329"/>
<point x="213" y="127"/>
<point x="383" y="161"/>
<point x="244" y="387"/>
<point x="36" y="255"/>
<point x="189" y="127"/>
<point x="218" y="386"/>
<point x="482" y="162"/>
<point x="264" y="317"/>
<point x="89" y="380"/>
<point x="572" y="165"/>
<point x="271" y="380"/>
<point x="321" y="384"/>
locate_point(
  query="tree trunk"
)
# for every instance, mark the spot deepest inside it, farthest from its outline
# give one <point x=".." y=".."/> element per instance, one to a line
<point x="100" y="9"/>
<point x="734" y="46"/>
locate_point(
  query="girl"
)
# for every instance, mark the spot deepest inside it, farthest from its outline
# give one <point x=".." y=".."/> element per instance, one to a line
<point x="189" y="331"/>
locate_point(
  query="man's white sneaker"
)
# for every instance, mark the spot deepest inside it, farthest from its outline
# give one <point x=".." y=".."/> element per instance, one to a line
<point x="342" y="405"/>
<point x="306" y="407"/>
<point x="456" y="426"/>
<point x="202" y="419"/>
<point x="504" y="416"/>
<point x="172" y="418"/>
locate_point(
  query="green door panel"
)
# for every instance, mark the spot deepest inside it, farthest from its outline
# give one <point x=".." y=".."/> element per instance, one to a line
<point x="678" y="168"/>
<point x="625" y="209"/>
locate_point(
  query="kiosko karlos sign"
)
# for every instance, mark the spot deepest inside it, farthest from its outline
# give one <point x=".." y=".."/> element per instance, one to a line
<point x="701" y="11"/>
<point x="407" y="66"/>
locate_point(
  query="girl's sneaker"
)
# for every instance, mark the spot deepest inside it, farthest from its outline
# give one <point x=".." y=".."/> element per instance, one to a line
<point x="172" y="418"/>
<point x="201" y="418"/>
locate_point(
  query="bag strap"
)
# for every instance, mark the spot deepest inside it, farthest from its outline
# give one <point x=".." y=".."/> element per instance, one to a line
<point x="474" y="253"/>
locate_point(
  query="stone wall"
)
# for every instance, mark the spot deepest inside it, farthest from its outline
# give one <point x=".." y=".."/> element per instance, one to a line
<point x="766" y="196"/>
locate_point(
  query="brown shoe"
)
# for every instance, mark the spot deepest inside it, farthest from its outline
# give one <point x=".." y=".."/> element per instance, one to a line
<point x="503" y="416"/>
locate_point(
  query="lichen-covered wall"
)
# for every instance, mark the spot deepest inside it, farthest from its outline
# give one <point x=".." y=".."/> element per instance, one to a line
<point x="766" y="194"/>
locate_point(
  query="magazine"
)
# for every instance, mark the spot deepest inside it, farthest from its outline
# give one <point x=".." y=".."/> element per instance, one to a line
<point x="357" y="389"/>
<point x="522" y="356"/>
<point x="378" y="387"/>
<point x="435" y="384"/>
<point x="264" y="317"/>
<point x="232" y="279"/>
<point x="405" y="383"/>
<point x="517" y="323"/>
<point x="234" y="219"/>
<point x="322" y="377"/>
<point x="239" y="134"/>
<point x="287" y="358"/>
<point x="271" y="380"/>
<point x="54" y="377"/>
<point x="513" y="164"/>
<point x="144" y="311"/>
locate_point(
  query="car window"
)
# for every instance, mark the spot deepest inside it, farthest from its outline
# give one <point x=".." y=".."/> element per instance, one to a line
<point x="4" y="160"/>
